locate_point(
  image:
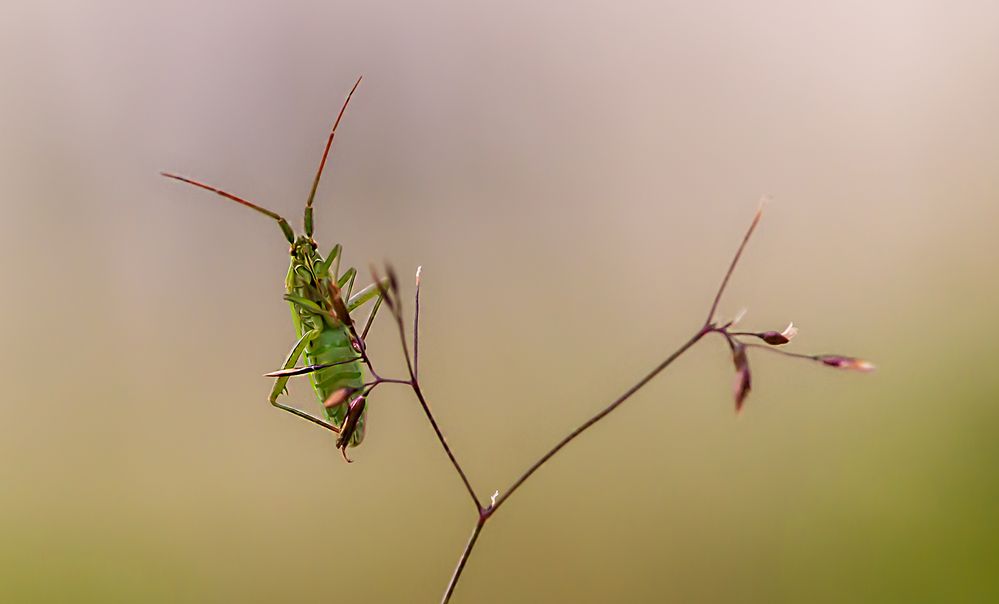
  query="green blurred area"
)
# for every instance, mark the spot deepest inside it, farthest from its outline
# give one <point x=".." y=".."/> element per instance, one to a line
<point x="574" y="178"/>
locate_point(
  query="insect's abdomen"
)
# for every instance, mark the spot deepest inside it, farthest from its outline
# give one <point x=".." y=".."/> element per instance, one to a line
<point x="332" y="346"/>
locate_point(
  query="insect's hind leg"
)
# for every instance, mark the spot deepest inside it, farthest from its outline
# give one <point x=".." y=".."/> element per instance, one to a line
<point x="281" y="382"/>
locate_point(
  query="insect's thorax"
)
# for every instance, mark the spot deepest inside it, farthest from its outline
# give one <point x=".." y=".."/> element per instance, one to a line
<point x="308" y="280"/>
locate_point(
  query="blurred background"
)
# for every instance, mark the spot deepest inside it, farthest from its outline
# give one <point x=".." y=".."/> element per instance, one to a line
<point x="573" y="177"/>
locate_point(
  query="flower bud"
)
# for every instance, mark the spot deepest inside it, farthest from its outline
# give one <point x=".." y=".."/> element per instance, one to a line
<point x="383" y="288"/>
<point x="777" y="338"/>
<point x="393" y="279"/>
<point x="774" y="338"/>
<point x="841" y="362"/>
<point x="743" y="379"/>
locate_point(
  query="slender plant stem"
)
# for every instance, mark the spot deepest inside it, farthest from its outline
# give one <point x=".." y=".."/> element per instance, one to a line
<point x="793" y="355"/>
<point x="416" y="325"/>
<point x="731" y="267"/>
<point x="485" y="513"/>
<point x="415" y="385"/>
<point x="402" y="338"/>
<point x="464" y="558"/>
<point x="395" y="306"/>
<point x="596" y="418"/>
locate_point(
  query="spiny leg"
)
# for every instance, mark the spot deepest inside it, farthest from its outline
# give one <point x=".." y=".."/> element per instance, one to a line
<point x="331" y="267"/>
<point x="282" y="381"/>
<point x="368" y="293"/>
<point x="295" y="371"/>
<point x="371" y="315"/>
<point x="332" y="261"/>
<point x="308" y="305"/>
<point x="374" y="291"/>
<point x="346" y="281"/>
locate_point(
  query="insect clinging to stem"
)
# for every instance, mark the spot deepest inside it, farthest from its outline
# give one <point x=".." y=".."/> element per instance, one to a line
<point x="333" y="346"/>
<point x="322" y="300"/>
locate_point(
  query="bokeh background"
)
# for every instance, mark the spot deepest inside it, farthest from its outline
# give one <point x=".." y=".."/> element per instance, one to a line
<point x="573" y="176"/>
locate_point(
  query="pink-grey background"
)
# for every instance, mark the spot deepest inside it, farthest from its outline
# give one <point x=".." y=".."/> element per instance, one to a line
<point x="573" y="176"/>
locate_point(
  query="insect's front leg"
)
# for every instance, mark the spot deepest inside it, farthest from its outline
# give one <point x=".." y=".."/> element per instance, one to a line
<point x="346" y="281"/>
<point x="331" y="266"/>
<point x="282" y="380"/>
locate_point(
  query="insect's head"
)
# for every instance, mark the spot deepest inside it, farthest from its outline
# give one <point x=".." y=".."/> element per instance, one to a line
<point x="303" y="247"/>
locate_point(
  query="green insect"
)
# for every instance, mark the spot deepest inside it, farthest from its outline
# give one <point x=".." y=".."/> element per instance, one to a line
<point x="322" y="300"/>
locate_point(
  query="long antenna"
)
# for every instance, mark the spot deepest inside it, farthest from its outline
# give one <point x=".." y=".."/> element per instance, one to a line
<point x="285" y="227"/>
<point x="322" y="163"/>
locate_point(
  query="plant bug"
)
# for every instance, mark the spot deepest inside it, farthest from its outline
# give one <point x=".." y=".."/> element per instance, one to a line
<point x="322" y="300"/>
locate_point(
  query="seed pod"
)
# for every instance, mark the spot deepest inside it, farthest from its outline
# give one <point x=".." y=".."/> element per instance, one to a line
<point x="743" y="378"/>
<point x="777" y="338"/>
<point x="382" y="288"/>
<point x="842" y="362"/>
<point x="774" y="338"/>
<point x="355" y="410"/>
<point x="393" y="279"/>
<point x="338" y="397"/>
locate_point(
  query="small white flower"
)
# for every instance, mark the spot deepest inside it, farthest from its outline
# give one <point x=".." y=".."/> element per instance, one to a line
<point x="790" y="331"/>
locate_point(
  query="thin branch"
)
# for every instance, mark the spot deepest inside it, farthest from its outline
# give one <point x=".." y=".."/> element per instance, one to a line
<point x="396" y="310"/>
<point x="390" y="295"/>
<point x="596" y="418"/>
<point x="378" y="381"/>
<point x="731" y="267"/>
<point x="486" y="513"/>
<point x="830" y="360"/>
<point x="395" y="307"/>
<point x="464" y="558"/>
<point x="415" y="385"/>
<point x="794" y="355"/>
<point x="416" y="326"/>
